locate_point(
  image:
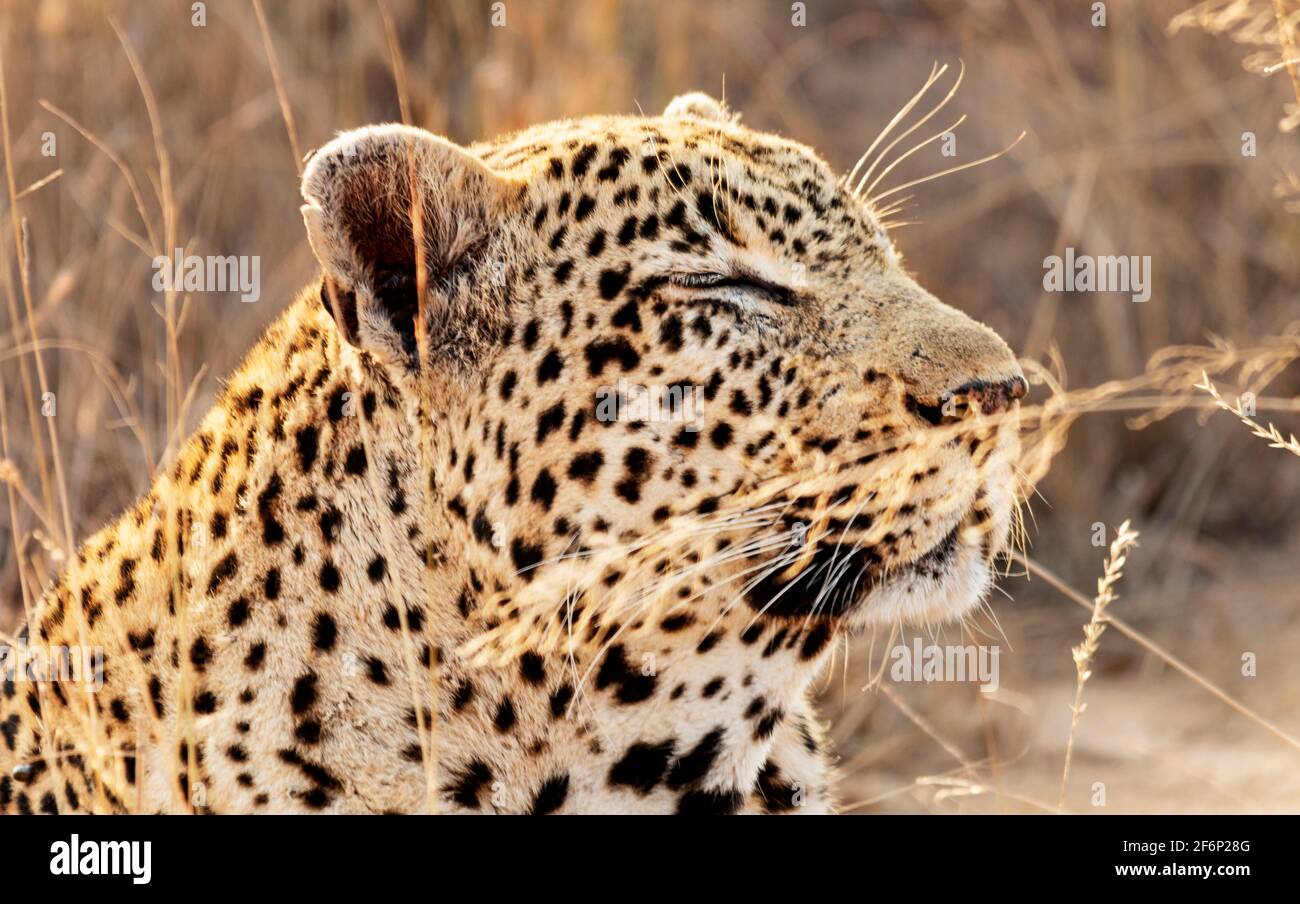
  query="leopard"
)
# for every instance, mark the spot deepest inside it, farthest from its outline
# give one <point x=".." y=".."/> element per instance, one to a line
<point x="433" y="550"/>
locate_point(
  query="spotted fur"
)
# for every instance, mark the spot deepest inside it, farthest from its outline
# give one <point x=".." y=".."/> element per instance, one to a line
<point x="404" y="564"/>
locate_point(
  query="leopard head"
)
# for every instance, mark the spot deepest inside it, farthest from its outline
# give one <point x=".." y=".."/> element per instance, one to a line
<point x="673" y="372"/>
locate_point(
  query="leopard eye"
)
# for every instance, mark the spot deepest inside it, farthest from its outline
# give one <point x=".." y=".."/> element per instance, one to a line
<point x="769" y="291"/>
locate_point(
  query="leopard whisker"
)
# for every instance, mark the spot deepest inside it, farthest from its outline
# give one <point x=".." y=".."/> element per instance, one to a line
<point x="936" y="72"/>
<point x="857" y="191"/>
<point x="954" y="169"/>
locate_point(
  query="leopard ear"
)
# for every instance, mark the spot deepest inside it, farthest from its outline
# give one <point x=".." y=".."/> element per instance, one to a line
<point x="700" y="106"/>
<point x="367" y="193"/>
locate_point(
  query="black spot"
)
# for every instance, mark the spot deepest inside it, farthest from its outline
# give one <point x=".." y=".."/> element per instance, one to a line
<point x="307" y="439"/>
<point x="560" y="700"/>
<point x="674" y="623"/>
<point x="778" y="795"/>
<point x="251" y="401"/>
<point x="463" y="694"/>
<point x="816" y="641"/>
<point x="627" y="316"/>
<point x="531" y="668"/>
<point x="483" y="527"/>
<point x="505" y="717"/>
<point x="549" y="421"/>
<point x="633" y="686"/>
<point x="613" y="164"/>
<point x="767" y="725"/>
<point x="694" y="766"/>
<point x="356" y="461"/>
<point x="324" y="632"/>
<point x="272" y="530"/>
<point x="525" y="556"/>
<point x="140" y="643"/>
<point x="550" y="368"/>
<point x="200" y="654"/>
<point x="612" y="282"/>
<point x="636" y="464"/>
<point x="708" y="641"/>
<point x="721" y="435"/>
<point x="329" y="577"/>
<point x="543" y="492"/>
<point x="329" y="522"/>
<point x="472" y="779"/>
<point x="256" y="653"/>
<point x="585" y="466"/>
<point x="222" y="572"/>
<point x="678" y="175"/>
<point x="304" y="693"/>
<point x="603" y="351"/>
<point x="550" y="797"/>
<point x="628" y="231"/>
<point x="205" y="703"/>
<point x="670" y="333"/>
<point x="642" y="766"/>
<point x="687" y="438"/>
<point x="378" y="673"/>
<point x="156" y="695"/>
<point x="393" y="619"/>
<point x="377" y="568"/>
<point x="237" y="614"/>
<point x="531" y="331"/>
<point x="9" y="727"/>
<point x="582" y="159"/>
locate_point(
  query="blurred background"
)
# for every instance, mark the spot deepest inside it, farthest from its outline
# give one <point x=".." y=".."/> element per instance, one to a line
<point x="1135" y="139"/>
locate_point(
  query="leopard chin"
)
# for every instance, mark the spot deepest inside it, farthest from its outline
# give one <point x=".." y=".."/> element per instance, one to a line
<point x="850" y="585"/>
<point x="953" y="581"/>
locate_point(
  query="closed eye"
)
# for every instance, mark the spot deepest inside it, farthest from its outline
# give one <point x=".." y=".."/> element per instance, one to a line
<point x="770" y="291"/>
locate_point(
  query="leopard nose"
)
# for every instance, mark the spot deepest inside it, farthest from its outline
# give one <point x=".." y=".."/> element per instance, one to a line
<point x="990" y="396"/>
<point x="993" y="397"/>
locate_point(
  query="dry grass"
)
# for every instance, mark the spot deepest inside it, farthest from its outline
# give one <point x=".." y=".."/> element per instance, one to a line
<point x="169" y="135"/>
<point x="1092" y="631"/>
<point x="1274" y="436"/>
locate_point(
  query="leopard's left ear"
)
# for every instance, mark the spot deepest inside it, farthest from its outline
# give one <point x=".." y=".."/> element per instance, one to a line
<point x="368" y="193"/>
<point x="700" y="106"/>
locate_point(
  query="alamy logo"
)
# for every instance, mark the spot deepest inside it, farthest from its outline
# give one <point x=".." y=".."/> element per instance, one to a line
<point x="680" y="402"/>
<point x="1108" y="273"/>
<point x="103" y="858"/>
<point x="211" y="273"/>
<point x="68" y="664"/>
<point x="933" y="663"/>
